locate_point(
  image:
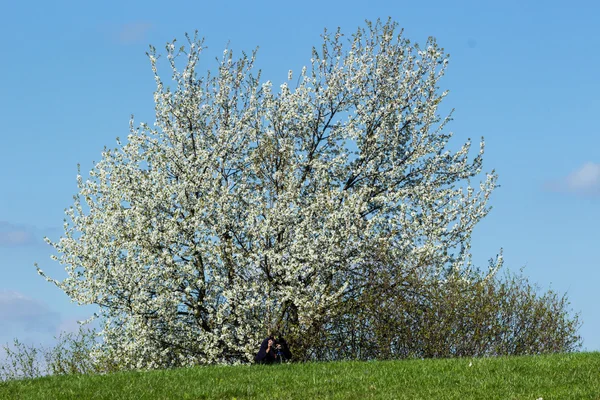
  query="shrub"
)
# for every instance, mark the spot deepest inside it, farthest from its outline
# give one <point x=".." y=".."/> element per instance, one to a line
<point x="482" y="315"/>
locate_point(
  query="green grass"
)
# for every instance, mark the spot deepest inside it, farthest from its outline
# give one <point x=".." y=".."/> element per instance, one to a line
<point x="563" y="376"/>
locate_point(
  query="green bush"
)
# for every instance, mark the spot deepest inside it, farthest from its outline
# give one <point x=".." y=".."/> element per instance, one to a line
<point x="474" y="316"/>
<point x="72" y="354"/>
<point x="20" y="361"/>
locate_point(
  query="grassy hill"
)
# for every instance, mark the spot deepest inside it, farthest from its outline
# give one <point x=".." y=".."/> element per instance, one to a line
<point x="563" y="376"/>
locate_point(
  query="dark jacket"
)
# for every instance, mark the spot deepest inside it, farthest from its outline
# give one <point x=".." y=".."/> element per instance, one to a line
<point x="263" y="357"/>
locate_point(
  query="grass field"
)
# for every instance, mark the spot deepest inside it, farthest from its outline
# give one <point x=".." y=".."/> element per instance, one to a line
<point x="569" y="376"/>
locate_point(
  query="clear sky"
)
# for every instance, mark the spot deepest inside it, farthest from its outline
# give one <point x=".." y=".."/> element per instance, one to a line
<point x="522" y="73"/>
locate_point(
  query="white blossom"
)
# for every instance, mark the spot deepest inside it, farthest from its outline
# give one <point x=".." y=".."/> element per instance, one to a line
<point x="242" y="207"/>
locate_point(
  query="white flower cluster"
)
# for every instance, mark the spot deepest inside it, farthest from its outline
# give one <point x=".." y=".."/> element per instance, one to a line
<point x="242" y="208"/>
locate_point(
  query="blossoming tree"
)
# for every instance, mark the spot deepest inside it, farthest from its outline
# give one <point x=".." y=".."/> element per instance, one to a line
<point x="247" y="206"/>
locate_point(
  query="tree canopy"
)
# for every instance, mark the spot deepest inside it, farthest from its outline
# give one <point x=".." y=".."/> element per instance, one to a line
<point x="248" y="207"/>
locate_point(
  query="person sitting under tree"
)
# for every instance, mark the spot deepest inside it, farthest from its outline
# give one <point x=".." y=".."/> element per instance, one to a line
<point x="274" y="349"/>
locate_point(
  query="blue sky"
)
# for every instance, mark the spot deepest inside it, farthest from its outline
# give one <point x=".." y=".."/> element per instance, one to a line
<point x="522" y="73"/>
